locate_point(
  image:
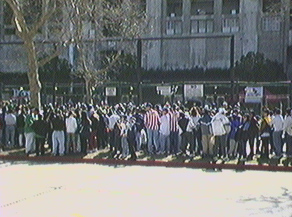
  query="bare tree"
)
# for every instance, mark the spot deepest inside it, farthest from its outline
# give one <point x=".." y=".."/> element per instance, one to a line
<point x="29" y="17"/>
<point x="97" y="21"/>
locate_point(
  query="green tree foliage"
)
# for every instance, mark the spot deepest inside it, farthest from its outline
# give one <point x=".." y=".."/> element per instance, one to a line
<point x="255" y="67"/>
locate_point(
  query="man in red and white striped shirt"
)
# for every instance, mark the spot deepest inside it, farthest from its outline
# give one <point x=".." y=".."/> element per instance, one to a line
<point x="152" y="123"/>
<point x="174" y="130"/>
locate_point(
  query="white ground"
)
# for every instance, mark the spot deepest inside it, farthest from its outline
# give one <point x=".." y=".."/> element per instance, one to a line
<point x="80" y="190"/>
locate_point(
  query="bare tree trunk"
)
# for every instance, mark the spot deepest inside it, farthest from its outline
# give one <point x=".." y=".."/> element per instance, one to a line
<point x="88" y="89"/>
<point x="33" y="76"/>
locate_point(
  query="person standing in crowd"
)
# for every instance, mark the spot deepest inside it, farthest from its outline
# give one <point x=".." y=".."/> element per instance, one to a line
<point x="132" y="137"/>
<point x="20" y="123"/>
<point x="208" y="139"/>
<point x="94" y="118"/>
<point x="113" y="119"/>
<point x="152" y="123"/>
<point x="288" y="132"/>
<point x="265" y="129"/>
<point x="85" y="131"/>
<point x="254" y="133"/>
<point x="219" y="131"/>
<point x="174" y="130"/>
<point x="233" y="136"/>
<point x="278" y="126"/>
<point x="187" y="137"/>
<point x="124" y="127"/>
<point x="1" y="130"/>
<point x="29" y="133"/>
<point x="101" y="130"/>
<point x="195" y="116"/>
<point x="244" y="135"/>
<point x="10" y="121"/>
<point x="71" y="128"/>
<point x="40" y="127"/>
<point x="139" y="124"/>
<point x="58" y="136"/>
<point x="164" y="132"/>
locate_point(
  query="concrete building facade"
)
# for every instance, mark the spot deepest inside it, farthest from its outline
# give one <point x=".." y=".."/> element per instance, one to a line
<point x="198" y="33"/>
<point x="185" y="34"/>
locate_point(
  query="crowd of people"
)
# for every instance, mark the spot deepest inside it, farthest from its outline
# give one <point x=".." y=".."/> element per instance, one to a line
<point x="126" y="129"/>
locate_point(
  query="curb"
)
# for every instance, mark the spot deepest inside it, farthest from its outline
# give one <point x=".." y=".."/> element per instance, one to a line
<point x="150" y="163"/>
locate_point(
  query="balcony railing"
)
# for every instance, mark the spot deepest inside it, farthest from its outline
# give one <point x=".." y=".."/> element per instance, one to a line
<point x="173" y="27"/>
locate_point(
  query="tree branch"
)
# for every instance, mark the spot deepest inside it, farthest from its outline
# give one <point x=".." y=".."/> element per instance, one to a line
<point x="45" y="60"/>
<point x="19" y="20"/>
<point x="46" y="14"/>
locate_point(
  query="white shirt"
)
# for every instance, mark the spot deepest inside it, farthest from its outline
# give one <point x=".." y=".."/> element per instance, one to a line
<point x="10" y="119"/>
<point x="278" y="123"/>
<point x="113" y="119"/>
<point x="165" y="125"/>
<point x="288" y="125"/>
<point x="217" y="124"/>
<point x="71" y="125"/>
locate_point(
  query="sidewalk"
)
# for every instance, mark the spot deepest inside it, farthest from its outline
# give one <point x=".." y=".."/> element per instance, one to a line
<point x="104" y="157"/>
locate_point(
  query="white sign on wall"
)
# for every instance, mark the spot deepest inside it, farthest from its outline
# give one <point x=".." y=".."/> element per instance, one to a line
<point x="110" y="91"/>
<point x="164" y="90"/>
<point x="192" y="91"/>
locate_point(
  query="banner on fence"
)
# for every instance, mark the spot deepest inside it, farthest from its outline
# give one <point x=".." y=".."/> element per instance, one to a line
<point x="254" y="94"/>
<point x="192" y="91"/>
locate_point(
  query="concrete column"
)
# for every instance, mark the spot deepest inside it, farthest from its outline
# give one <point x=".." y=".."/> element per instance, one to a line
<point x="156" y="12"/>
<point x="1" y="19"/>
<point x="218" y="15"/>
<point x="186" y="17"/>
<point x="249" y="25"/>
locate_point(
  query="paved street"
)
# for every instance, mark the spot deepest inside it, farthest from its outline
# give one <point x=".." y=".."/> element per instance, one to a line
<point x="82" y="190"/>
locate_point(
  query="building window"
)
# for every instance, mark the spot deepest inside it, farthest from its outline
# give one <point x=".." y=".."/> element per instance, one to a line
<point x="271" y="6"/>
<point x="202" y="7"/>
<point x="230" y="25"/>
<point x="230" y="7"/>
<point x="271" y="23"/>
<point x="174" y="8"/>
<point x="174" y="27"/>
<point x="202" y="26"/>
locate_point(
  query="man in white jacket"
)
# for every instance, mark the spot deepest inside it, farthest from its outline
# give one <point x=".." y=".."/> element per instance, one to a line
<point x="219" y="123"/>
<point x="71" y="127"/>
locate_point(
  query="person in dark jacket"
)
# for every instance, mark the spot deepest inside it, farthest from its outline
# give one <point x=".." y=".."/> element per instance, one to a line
<point x="254" y="133"/>
<point x="20" y="123"/>
<point x="208" y="139"/>
<point x="85" y="132"/>
<point x="41" y="129"/>
<point x="58" y="136"/>
<point x="244" y="135"/>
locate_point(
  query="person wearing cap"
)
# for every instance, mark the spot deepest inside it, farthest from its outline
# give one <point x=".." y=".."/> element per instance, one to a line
<point x="152" y="123"/>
